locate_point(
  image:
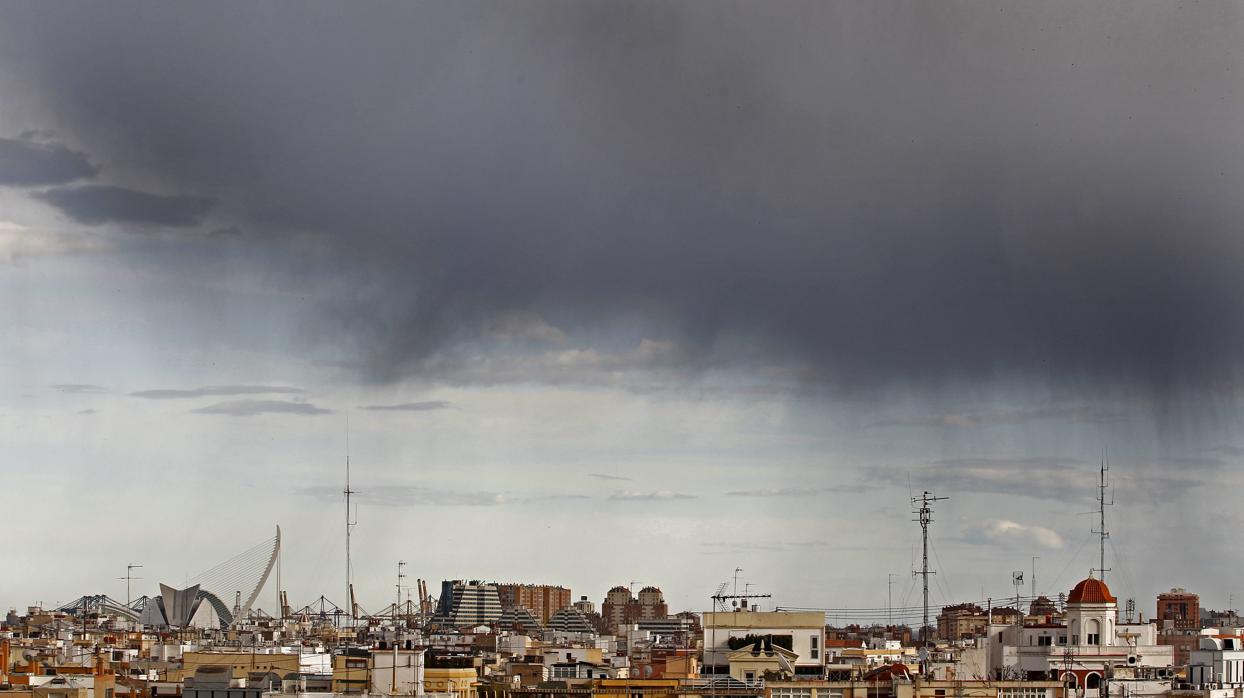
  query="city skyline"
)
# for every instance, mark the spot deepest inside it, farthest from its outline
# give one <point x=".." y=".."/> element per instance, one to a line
<point x="600" y="292"/>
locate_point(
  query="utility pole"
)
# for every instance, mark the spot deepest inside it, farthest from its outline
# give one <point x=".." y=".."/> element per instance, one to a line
<point x="1101" y="531"/>
<point x="1017" y="578"/>
<point x="129" y="575"/>
<point x="925" y="513"/>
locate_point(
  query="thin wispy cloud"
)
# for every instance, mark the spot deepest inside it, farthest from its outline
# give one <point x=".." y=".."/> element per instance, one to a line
<point x="254" y="408"/>
<point x="971" y="420"/>
<point x="1038" y="477"/>
<point x="607" y="476"/>
<point x="425" y="406"/>
<point x="217" y="391"/>
<point x="795" y="491"/>
<point x="79" y="388"/>
<point x="656" y="496"/>
<point x="419" y="496"/>
<point x="769" y="546"/>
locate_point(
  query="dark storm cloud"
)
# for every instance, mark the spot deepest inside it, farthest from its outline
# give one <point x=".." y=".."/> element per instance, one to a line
<point x="95" y="204"/>
<point x="885" y="192"/>
<point x="216" y="391"/>
<point x="425" y="406"/>
<point x="26" y="162"/>
<point x="254" y="408"/>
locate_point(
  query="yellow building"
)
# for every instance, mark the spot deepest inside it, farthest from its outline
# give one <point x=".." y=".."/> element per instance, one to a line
<point x="242" y="663"/>
<point x="458" y="681"/>
<point x="647" y="688"/>
<point x="351" y="672"/>
<point x="758" y="661"/>
<point x="913" y="689"/>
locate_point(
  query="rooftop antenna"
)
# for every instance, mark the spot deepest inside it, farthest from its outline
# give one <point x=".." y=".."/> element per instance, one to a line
<point x="1033" y="579"/>
<point x="351" y="522"/>
<point x="129" y="574"/>
<point x="736" y="579"/>
<point x="1102" y="484"/>
<point x="889" y="598"/>
<point x="926" y="517"/>
<point x="401" y="565"/>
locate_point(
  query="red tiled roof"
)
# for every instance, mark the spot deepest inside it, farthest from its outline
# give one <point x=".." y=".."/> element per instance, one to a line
<point x="1091" y="591"/>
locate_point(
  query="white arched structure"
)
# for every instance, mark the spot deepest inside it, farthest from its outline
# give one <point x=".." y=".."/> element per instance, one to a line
<point x="241" y="577"/>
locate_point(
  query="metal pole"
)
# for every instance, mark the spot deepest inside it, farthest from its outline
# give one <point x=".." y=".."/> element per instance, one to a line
<point x="889" y="598"/>
<point x="1034" y="576"/>
<point x="925" y="513"/>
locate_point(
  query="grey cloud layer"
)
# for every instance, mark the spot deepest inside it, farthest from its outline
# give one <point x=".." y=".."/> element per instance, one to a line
<point x="888" y="193"/>
<point x="27" y="162"/>
<point x="98" y="203"/>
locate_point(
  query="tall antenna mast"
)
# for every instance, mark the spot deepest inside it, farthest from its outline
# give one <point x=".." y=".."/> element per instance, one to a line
<point x="351" y="522"/>
<point x="129" y="575"/>
<point x="401" y="564"/>
<point x="1103" y="483"/>
<point x="926" y="517"/>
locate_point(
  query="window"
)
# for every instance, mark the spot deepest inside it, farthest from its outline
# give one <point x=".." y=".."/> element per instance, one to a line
<point x="1022" y="692"/>
<point x="1062" y="639"/>
<point x="1075" y="639"/>
<point x="788" y="692"/>
<point x="1045" y="640"/>
<point x="1093" y="639"/>
<point x="816" y="647"/>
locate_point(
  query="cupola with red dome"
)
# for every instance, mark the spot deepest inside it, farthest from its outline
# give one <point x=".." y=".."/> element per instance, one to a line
<point x="1091" y="590"/>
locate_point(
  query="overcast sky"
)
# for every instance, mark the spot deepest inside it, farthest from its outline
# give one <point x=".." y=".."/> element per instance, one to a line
<point x="622" y="291"/>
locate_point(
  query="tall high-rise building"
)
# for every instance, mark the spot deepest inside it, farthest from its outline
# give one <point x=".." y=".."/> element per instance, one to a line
<point x="1179" y="622"/>
<point x="652" y="604"/>
<point x="542" y="600"/>
<point x="1181" y="607"/>
<point x="468" y="603"/>
<point x="622" y="608"/>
